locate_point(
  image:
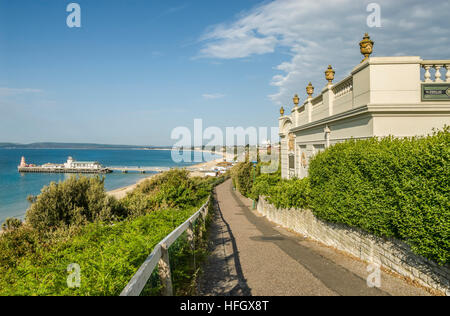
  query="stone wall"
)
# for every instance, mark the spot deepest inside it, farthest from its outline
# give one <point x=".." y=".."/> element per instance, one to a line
<point x="391" y="254"/>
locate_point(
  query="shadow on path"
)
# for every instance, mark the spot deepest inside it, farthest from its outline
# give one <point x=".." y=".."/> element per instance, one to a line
<point x="335" y="277"/>
<point x="222" y="274"/>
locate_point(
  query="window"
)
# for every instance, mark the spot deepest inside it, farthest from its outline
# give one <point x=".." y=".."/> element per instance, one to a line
<point x="291" y="162"/>
<point x="318" y="149"/>
<point x="303" y="160"/>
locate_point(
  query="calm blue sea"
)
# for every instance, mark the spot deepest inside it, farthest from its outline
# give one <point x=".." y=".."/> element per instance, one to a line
<point x="15" y="187"/>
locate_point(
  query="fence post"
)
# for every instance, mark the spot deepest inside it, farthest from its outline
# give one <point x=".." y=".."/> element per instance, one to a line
<point x="203" y="217"/>
<point x="190" y="235"/>
<point x="164" y="271"/>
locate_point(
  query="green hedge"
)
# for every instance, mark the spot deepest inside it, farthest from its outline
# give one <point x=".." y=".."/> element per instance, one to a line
<point x="390" y="187"/>
<point x="290" y="194"/>
<point x="263" y="184"/>
<point x="242" y="176"/>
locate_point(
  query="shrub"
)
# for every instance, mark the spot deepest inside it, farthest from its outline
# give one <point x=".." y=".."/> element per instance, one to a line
<point x="242" y="175"/>
<point x="76" y="201"/>
<point x="11" y="224"/>
<point x="109" y="255"/>
<point x="290" y="194"/>
<point x="263" y="184"/>
<point x="16" y="244"/>
<point x="390" y="187"/>
<point x="172" y="189"/>
<point x="34" y="257"/>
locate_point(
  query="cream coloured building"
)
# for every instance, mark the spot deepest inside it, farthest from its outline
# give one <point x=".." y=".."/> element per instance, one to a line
<point x="73" y="164"/>
<point x="382" y="96"/>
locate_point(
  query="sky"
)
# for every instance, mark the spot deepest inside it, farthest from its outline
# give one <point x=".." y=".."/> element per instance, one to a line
<point x="137" y="69"/>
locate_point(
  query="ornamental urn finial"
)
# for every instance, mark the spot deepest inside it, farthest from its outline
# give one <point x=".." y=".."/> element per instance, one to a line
<point x="329" y="74"/>
<point x="366" y="46"/>
<point x="310" y="90"/>
<point x="282" y="111"/>
<point x="296" y="100"/>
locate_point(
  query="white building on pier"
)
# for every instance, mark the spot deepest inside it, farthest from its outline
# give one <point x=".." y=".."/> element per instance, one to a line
<point x="73" y="164"/>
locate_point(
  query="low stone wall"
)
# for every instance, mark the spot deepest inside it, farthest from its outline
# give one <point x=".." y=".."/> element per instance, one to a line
<point x="391" y="254"/>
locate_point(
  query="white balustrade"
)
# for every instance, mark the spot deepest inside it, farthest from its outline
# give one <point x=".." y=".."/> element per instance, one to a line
<point x="437" y="65"/>
<point x="344" y="87"/>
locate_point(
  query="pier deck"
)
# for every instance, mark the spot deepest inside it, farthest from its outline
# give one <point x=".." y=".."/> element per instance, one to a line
<point x="139" y="169"/>
<point x="63" y="170"/>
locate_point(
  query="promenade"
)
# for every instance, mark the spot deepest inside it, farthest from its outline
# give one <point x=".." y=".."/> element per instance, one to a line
<point x="251" y="256"/>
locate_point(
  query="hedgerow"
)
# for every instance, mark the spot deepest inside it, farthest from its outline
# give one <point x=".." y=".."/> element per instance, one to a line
<point x="390" y="187"/>
<point x="263" y="184"/>
<point x="290" y="194"/>
<point x="242" y="176"/>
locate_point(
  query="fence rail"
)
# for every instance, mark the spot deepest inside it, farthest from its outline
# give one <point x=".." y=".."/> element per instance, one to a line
<point x="160" y="257"/>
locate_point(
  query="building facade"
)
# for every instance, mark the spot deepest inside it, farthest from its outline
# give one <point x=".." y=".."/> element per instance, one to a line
<point x="73" y="164"/>
<point x="383" y="96"/>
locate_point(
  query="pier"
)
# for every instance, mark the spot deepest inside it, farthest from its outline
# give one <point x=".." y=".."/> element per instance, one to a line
<point x="105" y="170"/>
<point x="138" y="169"/>
<point x="63" y="170"/>
<point x="84" y="167"/>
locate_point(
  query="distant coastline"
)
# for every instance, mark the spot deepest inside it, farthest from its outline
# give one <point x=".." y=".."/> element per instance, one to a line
<point x="89" y="146"/>
<point x="49" y="145"/>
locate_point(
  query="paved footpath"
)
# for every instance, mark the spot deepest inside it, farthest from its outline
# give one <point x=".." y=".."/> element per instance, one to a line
<point x="252" y="256"/>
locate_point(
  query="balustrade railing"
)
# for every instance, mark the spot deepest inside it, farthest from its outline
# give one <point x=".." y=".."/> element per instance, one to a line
<point x="436" y="66"/>
<point x="344" y="87"/>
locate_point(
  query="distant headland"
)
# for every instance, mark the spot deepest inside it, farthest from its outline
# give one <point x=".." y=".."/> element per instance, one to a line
<point x="50" y="145"/>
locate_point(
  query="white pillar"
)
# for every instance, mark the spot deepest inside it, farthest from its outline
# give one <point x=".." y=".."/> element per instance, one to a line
<point x="427" y="75"/>
<point x="438" y="73"/>
<point x="309" y="109"/>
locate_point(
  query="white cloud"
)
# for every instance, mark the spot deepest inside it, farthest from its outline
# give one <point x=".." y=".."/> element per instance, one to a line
<point x="213" y="96"/>
<point x="175" y="9"/>
<point x="322" y="32"/>
<point x="240" y="47"/>
<point x="12" y="91"/>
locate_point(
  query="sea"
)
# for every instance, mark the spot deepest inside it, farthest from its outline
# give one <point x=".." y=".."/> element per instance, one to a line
<point x="15" y="187"/>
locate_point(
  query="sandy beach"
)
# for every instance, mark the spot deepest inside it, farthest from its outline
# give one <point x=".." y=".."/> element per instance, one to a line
<point x="196" y="171"/>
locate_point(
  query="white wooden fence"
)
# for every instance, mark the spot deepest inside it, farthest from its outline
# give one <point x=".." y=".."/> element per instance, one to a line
<point x="160" y="257"/>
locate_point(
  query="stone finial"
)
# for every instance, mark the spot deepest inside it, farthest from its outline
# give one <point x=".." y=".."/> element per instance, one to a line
<point x="282" y="111"/>
<point x="329" y="74"/>
<point x="310" y="90"/>
<point x="366" y="46"/>
<point x="296" y="100"/>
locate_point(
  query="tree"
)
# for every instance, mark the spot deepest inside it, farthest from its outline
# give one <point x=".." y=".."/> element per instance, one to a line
<point x="11" y="224"/>
<point x="76" y="201"/>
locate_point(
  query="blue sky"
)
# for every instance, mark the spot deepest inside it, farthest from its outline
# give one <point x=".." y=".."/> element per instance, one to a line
<point x="136" y="69"/>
